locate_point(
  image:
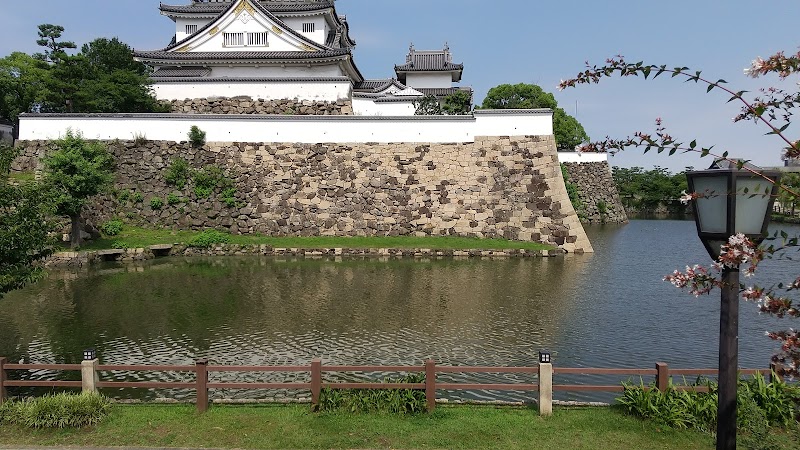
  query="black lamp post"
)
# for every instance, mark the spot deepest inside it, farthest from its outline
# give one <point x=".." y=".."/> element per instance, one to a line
<point x="732" y="201"/>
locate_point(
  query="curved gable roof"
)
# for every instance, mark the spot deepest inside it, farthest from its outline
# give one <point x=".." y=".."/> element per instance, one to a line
<point x="260" y="8"/>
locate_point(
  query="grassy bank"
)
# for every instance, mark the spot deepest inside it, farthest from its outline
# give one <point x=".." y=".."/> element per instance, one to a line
<point x="295" y="427"/>
<point x="138" y="237"/>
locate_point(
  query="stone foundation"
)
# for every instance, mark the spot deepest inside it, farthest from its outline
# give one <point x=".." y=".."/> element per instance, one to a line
<point x="508" y="187"/>
<point x="598" y="192"/>
<point x="247" y="105"/>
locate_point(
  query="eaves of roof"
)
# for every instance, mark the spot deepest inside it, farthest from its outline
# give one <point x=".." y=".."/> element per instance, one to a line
<point x="161" y="55"/>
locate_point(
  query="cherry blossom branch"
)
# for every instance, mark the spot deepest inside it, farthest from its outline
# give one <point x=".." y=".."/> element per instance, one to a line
<point x="593" y="74"/>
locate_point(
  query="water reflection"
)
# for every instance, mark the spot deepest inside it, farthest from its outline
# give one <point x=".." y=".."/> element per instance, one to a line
<point x="607" y="309"/>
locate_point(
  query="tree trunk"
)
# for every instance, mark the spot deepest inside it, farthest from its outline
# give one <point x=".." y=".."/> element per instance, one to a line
<point x="75" y="238"/>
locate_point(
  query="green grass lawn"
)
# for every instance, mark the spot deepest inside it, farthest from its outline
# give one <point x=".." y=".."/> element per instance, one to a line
<point x="138" y="238"/>
<point x="295" y="427"/>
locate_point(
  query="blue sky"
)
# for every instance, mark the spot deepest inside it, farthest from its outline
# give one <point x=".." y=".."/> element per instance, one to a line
<point x="512" y="41"/>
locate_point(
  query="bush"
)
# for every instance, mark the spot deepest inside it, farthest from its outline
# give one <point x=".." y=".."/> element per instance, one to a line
<point x="229" y="197"/>
<point x="56" y="411"/>
<point x="395" y="401"/>
<point x="173" y="199"/>
<point x="776" y="402"/>
<point x="178" y="173"/>
<point x="197" y="136"/>
<point x="207" y="179"/>
<point x="137" y="197"/>
<point x="208" y="238"/>
<point x="112" y="227"/>
<point x="123" y="196"/>
<point x="156" y="203"/>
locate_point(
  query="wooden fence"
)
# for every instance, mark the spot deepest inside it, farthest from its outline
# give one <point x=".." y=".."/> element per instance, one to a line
<point x="91" y="382"/>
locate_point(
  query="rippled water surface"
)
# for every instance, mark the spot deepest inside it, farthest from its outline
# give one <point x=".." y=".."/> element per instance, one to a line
<point x="607" y="309"/>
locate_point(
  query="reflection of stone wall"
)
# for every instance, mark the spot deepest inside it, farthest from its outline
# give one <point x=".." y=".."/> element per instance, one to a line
<point x="508" y="187"/>
<point x="596" y="187"/>
<point x="247" y="105"/>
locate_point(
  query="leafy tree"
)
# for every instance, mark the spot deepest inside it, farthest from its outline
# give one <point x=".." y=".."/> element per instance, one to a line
<point x="458" y="103"/>
<point x="567" y="130"/>
<point x="76" y="170"/>
<point x="23" y="85"/>
<point x="788" y="198"/>
<point x="427" y="106"/>
<point x="24" y="228"/>
<point x="646" y="190"/>
<point x="54" y="50"/>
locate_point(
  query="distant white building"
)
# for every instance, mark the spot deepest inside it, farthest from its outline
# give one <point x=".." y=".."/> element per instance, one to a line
<point x="285" y="49"/>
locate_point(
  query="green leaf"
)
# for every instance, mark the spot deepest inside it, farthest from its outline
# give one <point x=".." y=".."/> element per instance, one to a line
<point x="693" y="144"/>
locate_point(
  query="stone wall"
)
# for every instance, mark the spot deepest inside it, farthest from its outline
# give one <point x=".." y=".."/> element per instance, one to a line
<point x="598" y="193"/>
<point x="508" y="187"/>
<point x="247" y="105"/>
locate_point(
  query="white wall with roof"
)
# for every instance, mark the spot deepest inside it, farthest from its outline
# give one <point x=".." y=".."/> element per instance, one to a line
<point x="429" y="80"/>
<point x="368" y="107"/>
<point x="300" y="129"/>
<point x="329" y="91"/>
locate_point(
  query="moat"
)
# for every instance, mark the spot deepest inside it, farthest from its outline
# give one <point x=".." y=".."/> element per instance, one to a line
<point x="607" y="309"/>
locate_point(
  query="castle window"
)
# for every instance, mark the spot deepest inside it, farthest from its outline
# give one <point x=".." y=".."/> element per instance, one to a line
<point x="233" y="39"/>
<point x="308" y="27"/>
<point x="257" y="39"/>
<point x="191" y="29"/>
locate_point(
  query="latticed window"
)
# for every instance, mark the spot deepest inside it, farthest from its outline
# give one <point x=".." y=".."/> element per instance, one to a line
<point x="191" y="29"/>
<point x="308" y="27"/>
<point x="257" y="39"/>
<point x="233" y="39"/>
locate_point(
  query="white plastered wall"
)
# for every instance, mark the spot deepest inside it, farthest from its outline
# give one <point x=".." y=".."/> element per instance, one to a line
<point x="271" y="90"/>
<point x="367" y="107"/>
<point x="579" y="157"/>
<point x="429" y="80"/>
<point x="301" y="129"/>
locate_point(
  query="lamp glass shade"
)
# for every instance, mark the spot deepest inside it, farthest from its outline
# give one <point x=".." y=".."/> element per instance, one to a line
<point x="712" y="208"/>
<point x="752" y="201"/>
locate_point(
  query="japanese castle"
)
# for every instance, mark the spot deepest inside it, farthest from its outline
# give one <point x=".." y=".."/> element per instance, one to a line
<point x="286" y="49"/>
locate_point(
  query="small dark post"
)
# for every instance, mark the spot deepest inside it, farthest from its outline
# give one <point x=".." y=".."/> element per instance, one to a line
<point x="3" y="394"/>
<point x="774" y="372"/>
<point x="316" y="381"/>
<point x="430" y="384"/>
<point x="201" y="367"/>
<point x="662" y="376"/>
<point x="728" y="359"/>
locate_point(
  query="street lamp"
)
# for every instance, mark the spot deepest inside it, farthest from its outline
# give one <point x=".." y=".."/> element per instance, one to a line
<point x="732" y="201"/>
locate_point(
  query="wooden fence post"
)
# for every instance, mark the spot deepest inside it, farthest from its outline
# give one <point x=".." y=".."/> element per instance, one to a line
<point x="774" y="372"/>
<point x="3" y="394"/>
<point x="545" y="389"/>
<point x="430" y="384"/>
<point x="89" y="376"/>
<point x="316" y="382"/>
<point x="201" y="369"/>
<point x="662" y="376"/>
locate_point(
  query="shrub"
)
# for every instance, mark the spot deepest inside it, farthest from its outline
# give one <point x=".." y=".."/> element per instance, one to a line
<point x="112" y="227"/>
<point x="229" y="197"/>
<point x="137" y="197"/>
<point x="123" y="196"/>
<point x="139" y="138"/>
<point x="207" y="179"/>
<point x="120" y="245"/>
<point x="156" y="203"/>
<point x="197" y="136"/>
<point x="56" y="411"/>
<point x="395" y="401"/>
<point x="777" y="402"/>
<point x="178" y="173"/>
<point x="208" y="238"/>
<point x="173" y="199"/>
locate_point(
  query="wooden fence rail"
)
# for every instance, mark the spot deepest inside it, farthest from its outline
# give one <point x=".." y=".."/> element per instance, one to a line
<point x="90" y="378"/>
